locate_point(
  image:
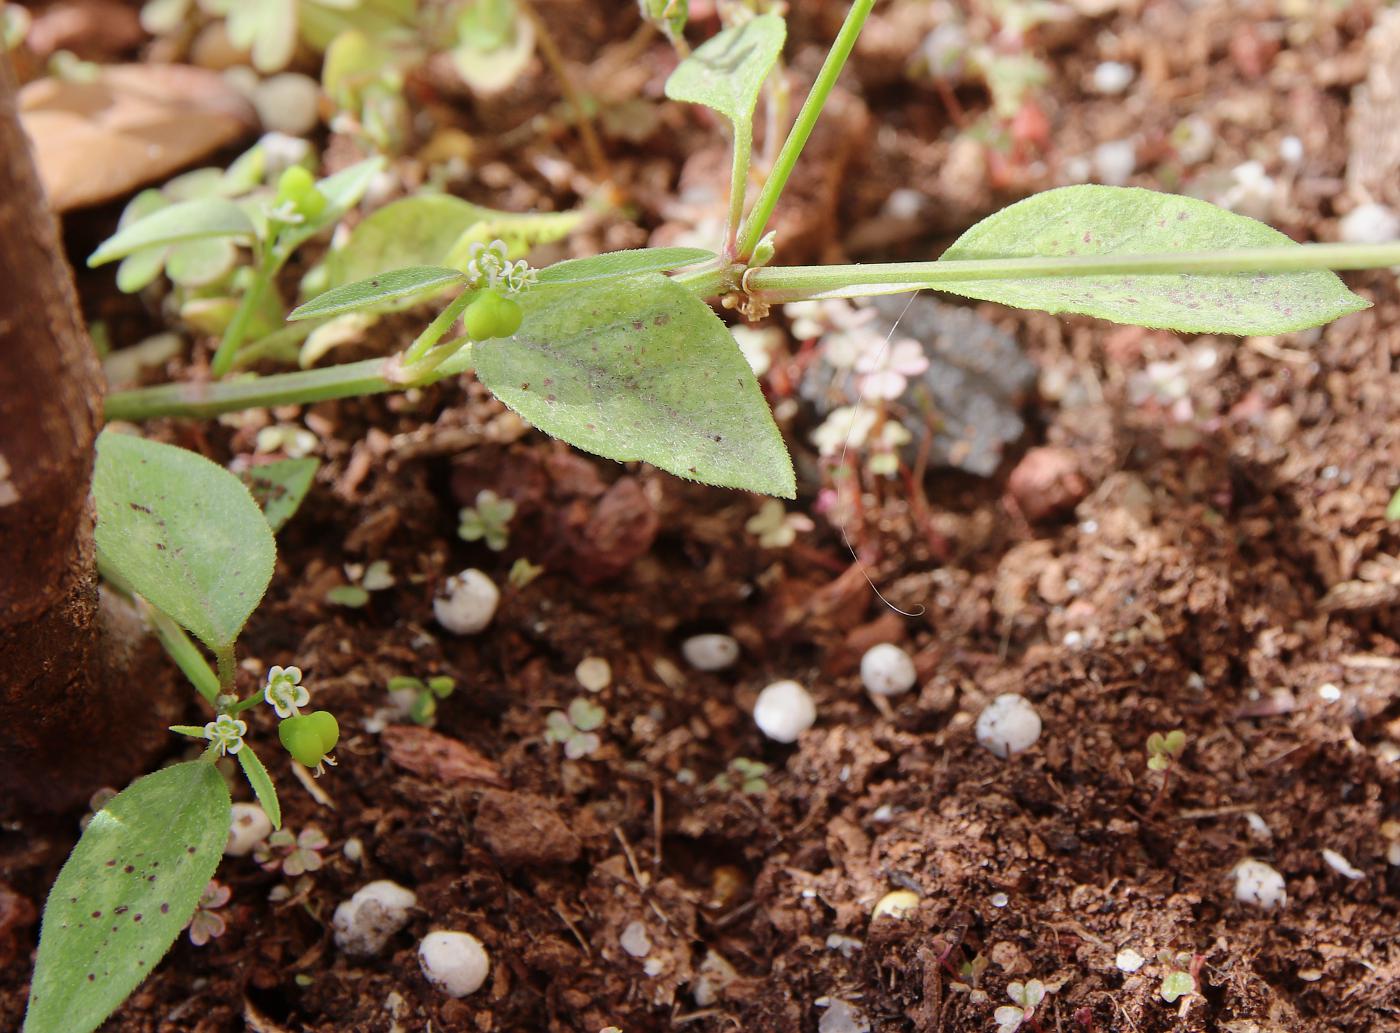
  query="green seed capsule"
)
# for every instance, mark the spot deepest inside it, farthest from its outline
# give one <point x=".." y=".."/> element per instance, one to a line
<point x="309" y="737"/>
<point x="491" y="315"/>
<point x="297" y="187"/>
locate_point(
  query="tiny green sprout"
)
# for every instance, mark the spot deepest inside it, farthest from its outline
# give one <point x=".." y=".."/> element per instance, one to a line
<point x="1028" y="996"/>
<point x="575" y="729"/>
<point x="423" y="709"/>
<point x="293" y="855"/>
<point x="1182" y="974"/>
<point x="1163" y="751"/>
<point x="522" y="572"/>
<point x="775" y="527"/>
<point x="970" y="978"/>
<point x="284" y="691"/>
<point x="206" y="923"/>
<point x="310" y="738"/>
<point x="488" y="520"/>
<point x="226" y="734"/>
<point x="1392" y="511"/>
<point x="363" y="580"/>
<point x="748" y="775"/>
<point x="1176" y="985"/>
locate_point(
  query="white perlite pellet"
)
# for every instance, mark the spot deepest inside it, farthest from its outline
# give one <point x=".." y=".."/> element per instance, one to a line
<point x="1370" y="223"/>
<point x="364" y="923"/>
<point x="1008" y="725"/>
<point x="887" y="670"/>
<point x="710" y="652"/>
<point x="456" y="963"/>
<point x="1259" y="884"/>
<point x="467" y="602"/>
<point x="249" y="825"/>
<point x="784" y="711"/>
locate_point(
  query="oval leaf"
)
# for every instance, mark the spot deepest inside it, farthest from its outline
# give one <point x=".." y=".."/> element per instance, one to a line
<point x="1101" y="220"/>
<point x="640" y="369"/>
<point x="617" y="264"/>
<point x="280" y="487"/>
<point x="727" y="71"/>
<point x="378" y="290"/>
<point x="183" y="532"/>
<point x="126" y="891"/>
<point x="188" y="220"/>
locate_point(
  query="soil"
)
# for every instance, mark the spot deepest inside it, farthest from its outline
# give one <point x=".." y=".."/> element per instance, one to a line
<point x="1129" y="570"/>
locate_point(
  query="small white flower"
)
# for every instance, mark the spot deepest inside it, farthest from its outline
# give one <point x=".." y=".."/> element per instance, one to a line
<point x="226" y="733"/>
<point x="847" y="426"/>
<point x="284" y="691"/>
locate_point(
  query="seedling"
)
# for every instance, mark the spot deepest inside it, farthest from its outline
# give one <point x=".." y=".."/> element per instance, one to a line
<point x="1028" y="998"/>
<point x="375" y="577"/>
<point x="749" y="776"/>
<point x="1181" y="980"/>
<point x="1163" y="754"/>
<point x="292" y="855"/>
<point x="489" y="520"/>
<point x="969" y="978"/>
<point x="207" y="924"/>
<point x="609" y="354"/>
<point x="775" y="527"/>
<point x="576" y="728"/>
<point x="425" y="694"/>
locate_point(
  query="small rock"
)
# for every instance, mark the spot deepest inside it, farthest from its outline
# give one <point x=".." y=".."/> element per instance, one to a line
<point x="1370" y="224"/>
<point x="1115" y="162"/>
<point x="784" y="711"/>
<point x="841" y="1017"/>
<point x="895" y="904"/>
<point x="467" y="603"/>
<point x="1008" y="725"/>
<point x="715" y="974"/>
<point x="593" y="673"/>
<point x="635" y="941"/>
<point x="1047" y="481"/>
<point x="1129" y="960"/>
<point x="1259" y="884"/>
<point x="1341" y="865"/>
<point x="710" y="652"/>
<point x="455" y="963"/>
<point x="887" y="670"/>
<point x="1112" y="77"/>
<point x="287" y="103"/>
<point x="364" y="923"/>
<point x="249" y="825"/>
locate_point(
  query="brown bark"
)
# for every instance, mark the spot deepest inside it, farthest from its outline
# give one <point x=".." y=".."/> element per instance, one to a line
<point x="64" y="731"/>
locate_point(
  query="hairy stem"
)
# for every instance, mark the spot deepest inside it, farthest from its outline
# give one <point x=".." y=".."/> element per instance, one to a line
<point x="738" y="185"/>
<point x="435" y="330"/>
<point x="792" y="282"/>
<point x="228" y="669"/>
<point x="237" y="328"/>
<point x="802" y="126"/>
<point x="181" y="648"/>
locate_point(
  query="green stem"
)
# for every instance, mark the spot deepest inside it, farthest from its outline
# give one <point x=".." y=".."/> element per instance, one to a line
<point x="228" y="670"/>
<point x="181" y="648"/>
<point x="802" y="126"/>
<point x="237" y="329"/>
<point x="738" y="185"/>
<point x="435" y="330"/>
<point x="862" y="280"/>
<point x="367" y="377"/>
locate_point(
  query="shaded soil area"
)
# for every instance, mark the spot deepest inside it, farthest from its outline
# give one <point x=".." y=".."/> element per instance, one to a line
<point x="1133" y="566"/>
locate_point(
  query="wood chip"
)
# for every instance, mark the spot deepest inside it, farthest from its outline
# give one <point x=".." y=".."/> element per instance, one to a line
<point x="430" y="754"/>
<point x="133" y="125"/>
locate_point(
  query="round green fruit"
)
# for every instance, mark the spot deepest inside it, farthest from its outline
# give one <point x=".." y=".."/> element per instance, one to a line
<point x="491" y="315"/>
<point x="309" y="737"/>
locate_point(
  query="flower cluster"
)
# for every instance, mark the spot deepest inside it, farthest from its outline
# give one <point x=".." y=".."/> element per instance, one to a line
<point x="489" y="266"/>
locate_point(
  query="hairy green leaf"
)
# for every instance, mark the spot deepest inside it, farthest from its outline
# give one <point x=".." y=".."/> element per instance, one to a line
<point x="262" y="785"/>
<point x="640" y="369"/>
<point x="727" y="71"/>
<point x="616" y="264"/>
<point x="1101" y="220"/>
<point x="381" y="289"/>
<point x="280" y="487"/>
<point x="183" y="532"/>
<point x="126" y="891"/>
<point x="188" y="220"/>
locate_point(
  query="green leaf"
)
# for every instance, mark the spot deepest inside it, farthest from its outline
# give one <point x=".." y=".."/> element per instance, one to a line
<point x="1100" y="220"/>
<point x="640" y="369"/>
<point x="495" y="42"/>
<point x="262" y="785"/>
<point x="280" y="487"/>
<point x="727" y="71"/>
<point x="616" y="264"/>
<point x="413" y="231"/>
<point x="183" y="532"/>
<point x="189" y="220"/>
<point x="1392" y="509"/>
<point x="352" y="596"/>
<point x="197" y="263"/>
<point x="126" y="891"/>
<point x="382" y="289"/>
